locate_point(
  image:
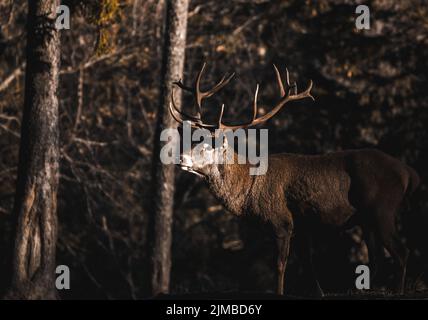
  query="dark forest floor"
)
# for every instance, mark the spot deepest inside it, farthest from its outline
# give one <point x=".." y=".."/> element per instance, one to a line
<point x="371" y="295"/>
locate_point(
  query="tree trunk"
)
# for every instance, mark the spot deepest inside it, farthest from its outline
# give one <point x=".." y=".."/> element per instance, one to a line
<point x="163" y="177"/>
<point x="33" y="265"/>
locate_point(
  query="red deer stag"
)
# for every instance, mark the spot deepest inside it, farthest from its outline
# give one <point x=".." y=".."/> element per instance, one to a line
<point x="340" y="189"/>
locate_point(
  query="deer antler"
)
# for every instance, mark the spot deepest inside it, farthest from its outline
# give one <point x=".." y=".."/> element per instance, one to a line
<point x="196" y="121"/>
<point x="285" y="94"/>
<point x="199" y="95"/>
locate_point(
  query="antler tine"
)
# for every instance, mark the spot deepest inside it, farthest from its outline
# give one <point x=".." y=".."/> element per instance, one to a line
<point x="197" y="91"/>
<point x="290" y="86"/>
<point x="287" y="77"/>
<point x="220" y="124"/>
<point x="181" y="113"/>
<point x="295" y="87"/>
<point x="199" y="94"/>
<point x="224" y="81"/>
<point x="242" y="126"/>
<point x="284" y="99"/>
<point x="304" y="94"/>
<point x="171" y="110"/>
<point x="279" y="80"/>
<point x="195" y="122"/>
<point x="178" y="119"/>
<point x="255" y="103"/>
<point x="182" y="86"/>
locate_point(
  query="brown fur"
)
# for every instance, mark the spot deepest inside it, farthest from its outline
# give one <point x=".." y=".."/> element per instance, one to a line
<point x="364" y="187"/>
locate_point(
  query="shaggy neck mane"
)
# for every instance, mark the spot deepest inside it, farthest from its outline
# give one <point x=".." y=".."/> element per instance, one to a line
<point x="231" y="183"/>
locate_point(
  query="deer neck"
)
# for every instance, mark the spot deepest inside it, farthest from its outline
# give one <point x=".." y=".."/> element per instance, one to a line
<point x="231" y="184"/>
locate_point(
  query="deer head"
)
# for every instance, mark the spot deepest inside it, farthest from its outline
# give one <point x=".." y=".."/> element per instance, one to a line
<point x="203" y="158"/>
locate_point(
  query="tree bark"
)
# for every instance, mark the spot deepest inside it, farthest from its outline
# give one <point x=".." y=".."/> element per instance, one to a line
<point x="163" y="176"/>
<point x="33" y="263"/>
